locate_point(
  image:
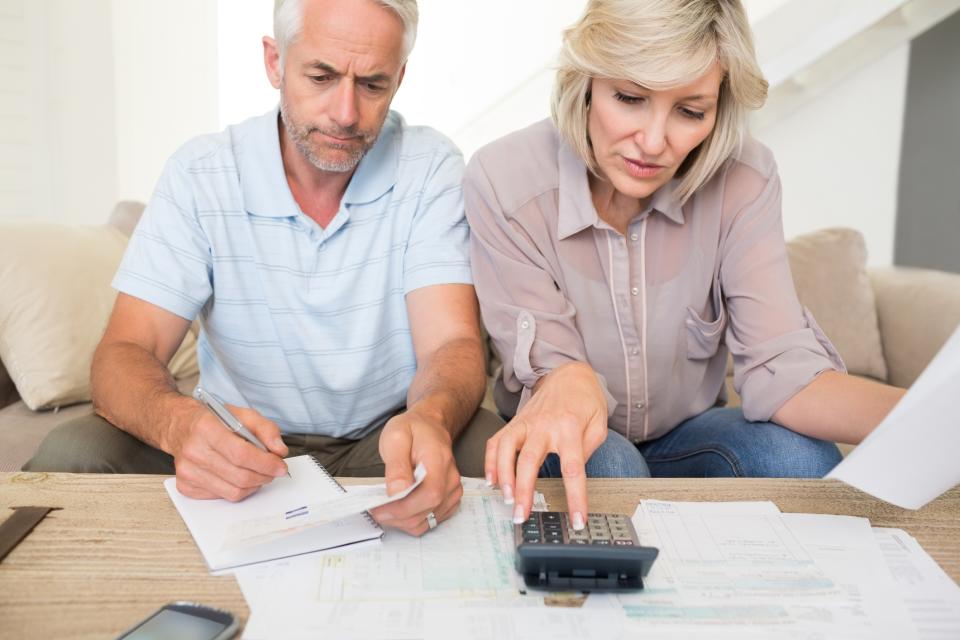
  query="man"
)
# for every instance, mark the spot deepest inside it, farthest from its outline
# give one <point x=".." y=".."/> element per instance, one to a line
<point x="324" y="248"/>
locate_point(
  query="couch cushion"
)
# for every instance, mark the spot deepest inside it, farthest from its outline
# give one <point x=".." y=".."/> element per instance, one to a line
<point x="55" y="299"/>
<point x="22" y="430"/>
<point x="8" y="392"/>
<point x="829" y="271"/>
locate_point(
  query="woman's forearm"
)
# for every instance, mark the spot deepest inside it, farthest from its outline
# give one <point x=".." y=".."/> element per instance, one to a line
<point x="838" y="407"/>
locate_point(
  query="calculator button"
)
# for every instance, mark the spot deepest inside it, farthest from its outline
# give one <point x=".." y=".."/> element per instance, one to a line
<point x="550" y="517"/>
<point x="552" y="535"/>
<point x="551" y="526"/>
<point x="623" y="543"/>
<point x="554" y="541"/>
<point x="602" y="542"/>
<point x="579" y="541"/>
<point x="531" y="539"/>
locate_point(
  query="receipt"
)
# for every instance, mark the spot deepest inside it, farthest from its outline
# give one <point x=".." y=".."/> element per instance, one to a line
<point x="359" y="499"/>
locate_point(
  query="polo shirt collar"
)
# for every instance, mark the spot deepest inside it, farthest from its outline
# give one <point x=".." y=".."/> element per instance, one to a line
<point x="575" y="207"/>
<point x="262" y="178"/>
<point x="377" y="172"/>
<point x="264" y="181"/>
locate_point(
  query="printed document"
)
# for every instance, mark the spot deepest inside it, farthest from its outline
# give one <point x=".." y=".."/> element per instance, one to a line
<point x="931" y="596"/>
<point x="465" y="564"/>
<point x="746" y="566"/>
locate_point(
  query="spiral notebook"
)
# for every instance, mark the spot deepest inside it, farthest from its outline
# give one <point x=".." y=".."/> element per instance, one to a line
<point x="210" y="520"/>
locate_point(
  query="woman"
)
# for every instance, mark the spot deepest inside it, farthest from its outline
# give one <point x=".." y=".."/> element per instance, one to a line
<point x="621" y="248"/>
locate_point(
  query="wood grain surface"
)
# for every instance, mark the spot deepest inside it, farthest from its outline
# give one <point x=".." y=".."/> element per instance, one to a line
<point x="118" y="550"/>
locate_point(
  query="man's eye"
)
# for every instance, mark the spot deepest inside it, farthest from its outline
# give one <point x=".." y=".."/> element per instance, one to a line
<point x="319" y="79"/>
<point x="374" y="88"/>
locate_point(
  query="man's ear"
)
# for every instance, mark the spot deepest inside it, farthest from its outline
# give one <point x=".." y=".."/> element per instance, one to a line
<point x="271" y="61"/>
<point x="403" y="70"/>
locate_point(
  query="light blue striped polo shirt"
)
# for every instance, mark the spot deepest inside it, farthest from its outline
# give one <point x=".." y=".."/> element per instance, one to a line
<point x="307" y="325"/>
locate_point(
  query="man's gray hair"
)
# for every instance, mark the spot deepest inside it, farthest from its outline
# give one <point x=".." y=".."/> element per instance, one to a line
<point x="288" y="22"/>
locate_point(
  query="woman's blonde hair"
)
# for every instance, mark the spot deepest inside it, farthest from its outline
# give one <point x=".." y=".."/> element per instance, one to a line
<point x="661" y="44"/>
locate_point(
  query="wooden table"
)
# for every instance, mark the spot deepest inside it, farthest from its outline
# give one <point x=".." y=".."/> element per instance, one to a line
<point x="118" y="549"/>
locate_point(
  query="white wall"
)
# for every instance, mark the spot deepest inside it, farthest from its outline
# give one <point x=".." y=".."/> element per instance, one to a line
<point x="115" y="86"/>
<point x="243" y="89"/>
<point x="56" y="117"/>
<point x="165" y="65"/>
<point x="95" y="96"/>
<point x="839" y="155"/>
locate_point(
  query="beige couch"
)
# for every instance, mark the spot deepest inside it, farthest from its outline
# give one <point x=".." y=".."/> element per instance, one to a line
<point x="886" y="323"/>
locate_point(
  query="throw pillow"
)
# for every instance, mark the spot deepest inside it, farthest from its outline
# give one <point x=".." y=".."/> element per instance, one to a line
<point x="55" y="300"/>
<point x="829" y="271"/>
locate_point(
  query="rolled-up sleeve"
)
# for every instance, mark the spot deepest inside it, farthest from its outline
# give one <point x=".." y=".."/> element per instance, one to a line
<point x="531" y="322"/>
<point x="777" y="347"/>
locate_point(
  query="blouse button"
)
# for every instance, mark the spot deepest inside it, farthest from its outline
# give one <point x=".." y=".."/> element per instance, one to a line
<point x="634" y="352"/>
<point x="524" y="325"/>
<point x="634" y="237"/>
<point x="639" y="405"/>
<point x="635" y="291"/>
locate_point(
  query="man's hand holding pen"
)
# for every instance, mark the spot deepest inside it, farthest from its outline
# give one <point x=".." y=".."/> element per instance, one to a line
<point x="212" y="461"/>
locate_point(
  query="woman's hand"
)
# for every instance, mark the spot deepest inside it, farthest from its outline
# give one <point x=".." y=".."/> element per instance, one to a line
<point x="566" y="415"/>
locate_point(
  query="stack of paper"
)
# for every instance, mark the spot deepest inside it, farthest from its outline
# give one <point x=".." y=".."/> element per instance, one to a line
<point x="393" y="589"/>
<point x="725" y="570"/>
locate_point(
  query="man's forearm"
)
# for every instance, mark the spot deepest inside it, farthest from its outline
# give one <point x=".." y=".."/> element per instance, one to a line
<point x="449" y="386"/>
<point x="135" y="392"/>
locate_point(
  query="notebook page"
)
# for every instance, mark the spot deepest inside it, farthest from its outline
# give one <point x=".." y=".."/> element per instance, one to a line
<point x="209" y="520"/>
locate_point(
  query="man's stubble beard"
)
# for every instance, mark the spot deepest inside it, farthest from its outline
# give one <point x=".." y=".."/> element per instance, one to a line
<point x="300" y="134"/>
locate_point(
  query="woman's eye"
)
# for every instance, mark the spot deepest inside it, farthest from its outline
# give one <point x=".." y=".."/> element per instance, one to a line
<point x="692" y="114"/>
<point x="622" y="97"/>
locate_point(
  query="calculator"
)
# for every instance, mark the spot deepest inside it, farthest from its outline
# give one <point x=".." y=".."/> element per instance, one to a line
<point x="604" y="556"/>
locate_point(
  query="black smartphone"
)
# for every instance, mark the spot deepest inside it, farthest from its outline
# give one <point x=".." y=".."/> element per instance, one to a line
<point x="184" y="621"/>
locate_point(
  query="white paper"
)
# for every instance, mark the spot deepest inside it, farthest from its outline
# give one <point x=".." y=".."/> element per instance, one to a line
<point x="911" y="457"/>
<point x="932" y="598"/>
<point x="394" y="589"/>
<point x="749" y="569"/>
<point x="299" y="518"/>
<point x="208" y="520"/>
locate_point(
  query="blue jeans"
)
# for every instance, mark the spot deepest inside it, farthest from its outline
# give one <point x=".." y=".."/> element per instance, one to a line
<point x="718" y="443"/>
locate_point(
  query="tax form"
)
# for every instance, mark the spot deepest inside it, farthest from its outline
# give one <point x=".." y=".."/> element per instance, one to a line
<point x="746" y="566"/>
<point x="932" y="598"/>
<point x="464" y="564"/>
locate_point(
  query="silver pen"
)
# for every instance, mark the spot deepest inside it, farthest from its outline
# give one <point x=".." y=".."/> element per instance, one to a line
<point x="228" y="419"/>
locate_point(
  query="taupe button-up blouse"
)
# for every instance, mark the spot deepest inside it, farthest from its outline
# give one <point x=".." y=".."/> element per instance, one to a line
<point x="653" y="311"/>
